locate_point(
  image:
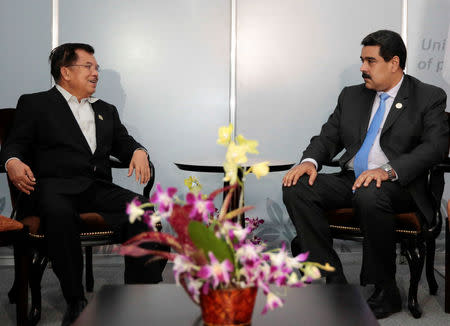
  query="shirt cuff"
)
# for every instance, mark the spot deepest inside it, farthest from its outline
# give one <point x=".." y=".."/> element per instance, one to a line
<point x="11" y="158"/>
<point x="313" y="161"/>
<point x="396" y="176"/>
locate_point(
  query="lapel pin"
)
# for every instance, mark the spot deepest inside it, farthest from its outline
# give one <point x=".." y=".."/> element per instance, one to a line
<point x="398" y="105"/>
<point x="101" y="118"/>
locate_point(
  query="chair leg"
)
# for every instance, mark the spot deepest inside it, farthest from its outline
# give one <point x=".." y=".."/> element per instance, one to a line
<point x="89" y="270"/>
<point x="447" y="267"/>
<point x="38" y="265"/>
<point x="415" y="254"/>
<point x="429" y="266"/>
<point x="21" y="270"/>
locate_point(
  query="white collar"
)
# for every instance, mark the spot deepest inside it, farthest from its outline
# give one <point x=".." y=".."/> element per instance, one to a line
<point x="69" y="96"/>
<point x="394" y="90"/>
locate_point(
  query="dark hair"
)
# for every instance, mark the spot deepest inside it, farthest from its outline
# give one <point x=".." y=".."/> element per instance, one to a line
<point x="64" y="55"/>
<point x="391" y="44"/>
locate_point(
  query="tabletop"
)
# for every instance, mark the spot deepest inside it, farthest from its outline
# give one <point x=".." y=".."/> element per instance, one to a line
<point x="167" y="304"/>
<point x="216" y="165"/>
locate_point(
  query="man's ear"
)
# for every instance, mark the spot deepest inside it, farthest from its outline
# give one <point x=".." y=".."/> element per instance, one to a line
<point x="65" y="73"/>
<point x="395" y="62"/>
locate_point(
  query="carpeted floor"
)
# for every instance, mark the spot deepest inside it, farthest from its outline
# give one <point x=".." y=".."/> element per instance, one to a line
<point x="109" y="270"/>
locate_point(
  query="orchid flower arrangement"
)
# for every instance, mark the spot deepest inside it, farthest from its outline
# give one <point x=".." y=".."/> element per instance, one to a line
<point x="211" y="250"/>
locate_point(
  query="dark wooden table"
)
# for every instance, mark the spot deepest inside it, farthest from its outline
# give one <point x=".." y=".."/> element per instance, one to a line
<point x="167" y="304"/>
<point x="216" y="166"/>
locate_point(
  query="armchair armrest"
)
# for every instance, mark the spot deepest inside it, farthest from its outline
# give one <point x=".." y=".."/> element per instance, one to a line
<point x="436" y="188"/>
<point x="332" y="163"/>
<point x="443" y="166"/>
<point x="117" y="164"/>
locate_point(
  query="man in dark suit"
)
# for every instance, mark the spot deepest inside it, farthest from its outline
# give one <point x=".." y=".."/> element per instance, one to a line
<point x="392" y="129"/>
<point x="68" y="136"/>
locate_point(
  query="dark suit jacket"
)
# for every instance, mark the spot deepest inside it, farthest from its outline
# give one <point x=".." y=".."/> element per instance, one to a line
<point x="46" y="134"/>
<point x="414" y="137"/>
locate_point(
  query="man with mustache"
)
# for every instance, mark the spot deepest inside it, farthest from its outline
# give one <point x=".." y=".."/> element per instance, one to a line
<point x="392" y="129"/>
<point x="58" y="150"/>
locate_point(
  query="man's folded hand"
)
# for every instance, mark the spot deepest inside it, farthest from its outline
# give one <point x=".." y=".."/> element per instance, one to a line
<point x="21" y="175"/>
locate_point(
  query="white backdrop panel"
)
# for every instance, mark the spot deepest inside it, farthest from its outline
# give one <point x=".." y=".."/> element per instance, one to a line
<point x="294" y="57"/>
<point x="428" y="47"/>
<point x="26" y="44"/>
<point x="165" y="66"/>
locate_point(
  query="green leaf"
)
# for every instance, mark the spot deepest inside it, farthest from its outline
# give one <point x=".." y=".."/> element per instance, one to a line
<point x="204" y="238"/>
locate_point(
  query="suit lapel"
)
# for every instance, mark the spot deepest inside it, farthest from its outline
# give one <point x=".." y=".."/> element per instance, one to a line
<point x="67" y="118"/>
<point x="366" y="104"/>
<point x="99" y="117"/>
<point x="398" y="106"/>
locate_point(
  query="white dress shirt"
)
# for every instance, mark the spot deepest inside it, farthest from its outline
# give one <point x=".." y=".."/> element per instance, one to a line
<point x="376" y="155"/>
<point x="84" y="114"/>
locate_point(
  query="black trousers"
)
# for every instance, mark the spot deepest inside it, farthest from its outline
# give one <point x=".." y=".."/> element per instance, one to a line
<point x="60" y="214"/>
<point x="374" y="209"/>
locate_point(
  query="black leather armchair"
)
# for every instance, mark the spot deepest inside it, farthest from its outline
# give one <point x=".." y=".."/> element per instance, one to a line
<point x="417" y="242"/>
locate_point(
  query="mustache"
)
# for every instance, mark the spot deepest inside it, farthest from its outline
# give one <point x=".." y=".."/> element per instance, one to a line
<point x="364" y="75"/>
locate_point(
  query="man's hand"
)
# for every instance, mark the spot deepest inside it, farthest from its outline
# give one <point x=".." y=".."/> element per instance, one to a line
<point x="21" y="176"/>
<point x="368" y="176"/>
<point x="297" y="171"/>
<point x="139" y="162"/>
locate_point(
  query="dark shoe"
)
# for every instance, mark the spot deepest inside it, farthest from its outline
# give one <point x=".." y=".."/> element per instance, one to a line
<point x="74" y="309"/>
<point x="336" y="278"/>
<point x="385" y="301"/>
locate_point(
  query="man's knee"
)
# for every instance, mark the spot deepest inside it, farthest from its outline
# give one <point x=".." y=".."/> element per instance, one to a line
<point x="54" y="214"/>
<point x="301" y="190"/>
<point x="370" y="197"/>
<point x="57" y="213"/>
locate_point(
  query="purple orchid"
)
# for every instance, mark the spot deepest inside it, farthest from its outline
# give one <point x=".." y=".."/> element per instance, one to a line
<point x="194" y="286"/>
<point x="302" y="257"/>
<point x="253" y="223"/>
<point x="297" y="261"/>
<point x="279" y="259"/>
<point x="182" y="264"/>
<point x="256" y="240"/>
<point x="272" y="302"/>
<point x="239" y="234"/>
<point x="151" y="218"/>
<point x="163" y="198"/>
<point x="134" y="210"/>
<point x="294" y="282"/>
<point x="248" y="254"/>
<point x="235" y="232"/>
<point x="200" y="208"/>
<point x="219" y="272"/>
